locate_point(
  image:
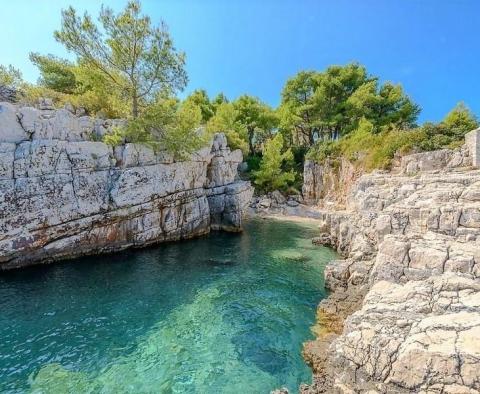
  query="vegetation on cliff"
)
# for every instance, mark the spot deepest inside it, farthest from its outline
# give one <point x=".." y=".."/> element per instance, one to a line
<point x="125" y="67"/>
<point x="369" y="149"/>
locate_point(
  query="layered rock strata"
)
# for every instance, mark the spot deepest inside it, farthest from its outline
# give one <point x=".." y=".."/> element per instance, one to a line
<point x="63" y="194"/>
<point x="404" y="312"/>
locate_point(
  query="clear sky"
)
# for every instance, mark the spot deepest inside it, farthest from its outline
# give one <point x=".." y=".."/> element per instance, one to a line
<point x="431" y="47"/>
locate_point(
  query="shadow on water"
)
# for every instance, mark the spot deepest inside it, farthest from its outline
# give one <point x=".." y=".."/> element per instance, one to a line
<point x="225" y="310"/>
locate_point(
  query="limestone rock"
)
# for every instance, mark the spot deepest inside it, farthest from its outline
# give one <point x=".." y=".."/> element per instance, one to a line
<point x="404" y="314"/>
<point x="278" y="197"/>
<point x="8" y="94"/>
<point x="10" y="128"/>
<point x="63" y="195"/>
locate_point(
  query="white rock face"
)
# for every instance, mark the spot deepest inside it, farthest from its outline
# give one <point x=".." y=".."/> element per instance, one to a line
<point x="404" y="315"/>
<point x="63" y="196"/>
<point x="10" y="129"/>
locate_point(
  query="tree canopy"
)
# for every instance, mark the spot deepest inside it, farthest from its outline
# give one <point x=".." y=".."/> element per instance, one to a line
<point x="326" y="105"/>
<point x="138" y="59"/>
<point x="273" y="173"/>
<point x="258" y="119"/>
<point x="10" y="76"/>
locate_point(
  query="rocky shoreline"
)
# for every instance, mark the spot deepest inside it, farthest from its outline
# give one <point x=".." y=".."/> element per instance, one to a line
<point x="64" y="194"/>
<point x="404" y="312"/>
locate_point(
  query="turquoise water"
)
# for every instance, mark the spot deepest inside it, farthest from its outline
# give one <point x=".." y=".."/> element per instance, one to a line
<point x="226" y="313"/>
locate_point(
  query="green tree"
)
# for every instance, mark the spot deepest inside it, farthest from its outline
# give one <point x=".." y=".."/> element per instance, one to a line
<point x="460" y="120"/>
<point x="220" y="98"/>
<point x="165" y="125"/>
<point x="200" y="98"/>
<point x="10" y="76"/>
<point x="97" y="94"/>
<point x="297" y="109"/>
<point x="139" y="59"/>
<point x="258" y="118"/>
<point x="330" y="104"/>
<point x="226" y="121"/>
<point x="55" y="73"/>
<point x="387" y="106"/>
<point x="272" y="174"/>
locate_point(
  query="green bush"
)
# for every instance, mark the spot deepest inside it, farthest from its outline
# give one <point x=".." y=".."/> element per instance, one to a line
<point x="369" y="151"/>
<point x="273" y="173"/>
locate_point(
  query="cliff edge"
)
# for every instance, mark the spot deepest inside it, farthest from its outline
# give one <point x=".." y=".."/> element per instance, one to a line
<point x="64" y="194"/>
<point x="404" y="312"/>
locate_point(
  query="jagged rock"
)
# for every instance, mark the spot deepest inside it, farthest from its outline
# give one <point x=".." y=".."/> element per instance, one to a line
<point x="417" y="336"/>
<point x="10" y="128"/>
<point x="264" y="202"/>
<point x="283" y="390"/>
<point x="80" y="111"/>
<point x="472" y="140"/>
<point x="243" y="167"/>
<point x="409" y="282"/>
<point x="278" y="197"/>
<point x="8" y="94"/>
<point x="45" y="104"/>
<point x="435" y="160"/>
<point x="62" y="195"/>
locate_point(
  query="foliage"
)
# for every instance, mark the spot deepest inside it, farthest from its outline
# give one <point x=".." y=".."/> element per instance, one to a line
<point x="253" y="162"/>
<point x="10" y="76"/>
<point x="370" y="149"/>
<point x="272" y="174"/>
<point x="164" y="125"/>
<point x="183" y="136"/>
<point x="226" y="121"/>
<point x="137" y="58"/>
<point x="220" y="98"/>
<point x="115" y="137"/>
<point x="200" y="99"/>
<point x="460" y="120"/>
<point x="258" y="118"/>
<point x="97" y="94"/>
<point x="55" y="73"/>
<point x="326" y="105"/>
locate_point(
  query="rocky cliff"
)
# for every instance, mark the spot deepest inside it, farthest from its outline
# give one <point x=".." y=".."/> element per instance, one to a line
<point x="64" y="194"/>
<point x="328" y="184"/>
<point x="404" y="312"/>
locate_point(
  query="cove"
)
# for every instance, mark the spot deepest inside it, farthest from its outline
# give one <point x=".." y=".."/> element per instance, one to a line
<point x="225" y="313"/>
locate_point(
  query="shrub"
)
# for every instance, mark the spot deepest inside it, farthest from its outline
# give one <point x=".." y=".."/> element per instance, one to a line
<point x="273" y="174"/>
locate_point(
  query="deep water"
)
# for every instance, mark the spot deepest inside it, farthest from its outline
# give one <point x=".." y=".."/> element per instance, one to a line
<point x="226" y="313"/>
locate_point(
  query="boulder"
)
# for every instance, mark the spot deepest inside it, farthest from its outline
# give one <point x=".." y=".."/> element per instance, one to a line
<point x="278" y="197"/>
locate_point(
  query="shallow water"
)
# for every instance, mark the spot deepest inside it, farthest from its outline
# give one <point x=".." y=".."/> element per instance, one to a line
<point x="226" y="313"/>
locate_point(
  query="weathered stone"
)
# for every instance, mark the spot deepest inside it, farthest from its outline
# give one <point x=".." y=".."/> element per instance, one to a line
<point x="409" y="282"/>
<point x="63" y="196"/>
<point x="10" y="128"/>
<point x="278" y="197"/>
<point x="8" y="94"/>
<point x="293" y="203"/>
<point x="472" y="140"/>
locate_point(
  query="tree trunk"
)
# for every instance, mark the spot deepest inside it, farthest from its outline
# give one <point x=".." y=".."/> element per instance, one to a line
<point x="311" y="138"/>
<point x="135" y="106"/>
<point x="251" y="133"/>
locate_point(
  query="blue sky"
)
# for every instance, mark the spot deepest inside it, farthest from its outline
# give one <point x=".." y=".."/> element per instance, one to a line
<point x="431" y="47"/>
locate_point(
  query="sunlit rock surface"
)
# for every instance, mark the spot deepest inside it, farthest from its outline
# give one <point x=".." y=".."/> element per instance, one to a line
<point x="404" y="314"/>
<point x="63" y="194"/>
